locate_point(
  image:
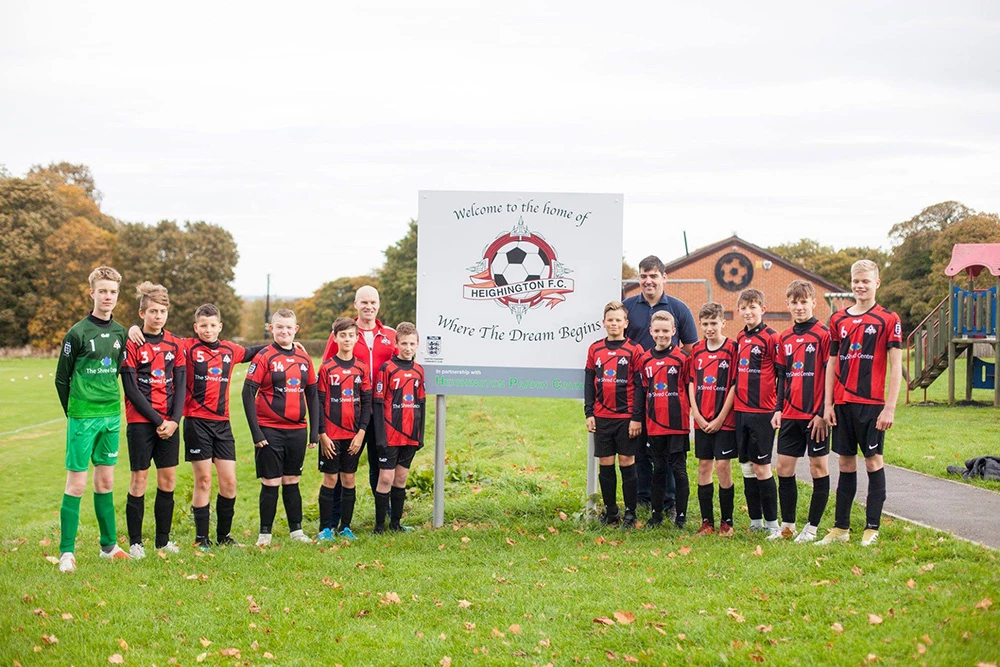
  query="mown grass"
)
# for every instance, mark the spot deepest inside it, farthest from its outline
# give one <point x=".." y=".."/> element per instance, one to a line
<point x="507" y="581"/>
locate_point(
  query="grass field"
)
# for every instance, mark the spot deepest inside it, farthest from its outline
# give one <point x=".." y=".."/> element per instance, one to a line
<point x="513" y="578"/>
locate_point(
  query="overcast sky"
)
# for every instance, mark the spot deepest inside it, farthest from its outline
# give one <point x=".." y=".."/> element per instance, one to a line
<point x="292" y="125"/>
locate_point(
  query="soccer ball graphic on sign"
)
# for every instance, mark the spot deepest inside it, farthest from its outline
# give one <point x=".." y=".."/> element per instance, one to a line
<point x="519" y="270"/>
<point x="518" y="262"/>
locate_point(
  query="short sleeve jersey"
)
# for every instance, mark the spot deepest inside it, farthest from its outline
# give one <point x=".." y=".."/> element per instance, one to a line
<point x="91" y="357"/>
<point x="664" y="383"/>
<point x="614" y="364"/>
<point x="341" y="386"/>
<point x="756" y="389"/>
<point x="153" y="363"/>
<point x="399" y="385"/>
<point x="861" y="344"/>
<point x="210" y="369"/>
<point x="802" y="353"/>
<point x="282" y="376"/>
<point x="712" y="373"/>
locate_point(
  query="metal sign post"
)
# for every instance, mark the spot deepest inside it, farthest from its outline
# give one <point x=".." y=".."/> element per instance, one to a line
<point x="439" y="425"/>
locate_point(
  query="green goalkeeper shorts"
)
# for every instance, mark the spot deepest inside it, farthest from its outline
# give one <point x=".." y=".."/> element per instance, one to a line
<point x="92" y="440"/>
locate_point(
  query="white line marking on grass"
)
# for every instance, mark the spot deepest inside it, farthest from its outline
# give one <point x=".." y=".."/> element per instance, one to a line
<point x="28" y="428"/>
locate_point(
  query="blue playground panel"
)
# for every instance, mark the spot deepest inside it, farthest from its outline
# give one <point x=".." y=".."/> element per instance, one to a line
<point x="983" y="374"/>
<point x="980" y="302"/>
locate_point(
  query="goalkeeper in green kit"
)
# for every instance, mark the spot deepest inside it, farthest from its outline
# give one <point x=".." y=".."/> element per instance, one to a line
<point x="87" y="382"/>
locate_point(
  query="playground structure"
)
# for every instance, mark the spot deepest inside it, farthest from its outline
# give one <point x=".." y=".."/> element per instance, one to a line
<point x="963" y="319"/>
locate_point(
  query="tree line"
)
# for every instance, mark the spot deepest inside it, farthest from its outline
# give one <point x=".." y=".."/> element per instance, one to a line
<point x="54" y="233"/>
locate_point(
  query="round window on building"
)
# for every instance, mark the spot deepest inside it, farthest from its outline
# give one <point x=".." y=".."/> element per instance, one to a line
<point x="734" y="271"/>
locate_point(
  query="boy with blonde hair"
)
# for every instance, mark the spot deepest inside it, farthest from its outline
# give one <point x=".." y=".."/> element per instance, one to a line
<point x="87" y="383"/>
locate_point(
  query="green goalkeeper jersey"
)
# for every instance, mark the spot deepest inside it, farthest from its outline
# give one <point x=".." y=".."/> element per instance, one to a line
<point x="89" y="362"/>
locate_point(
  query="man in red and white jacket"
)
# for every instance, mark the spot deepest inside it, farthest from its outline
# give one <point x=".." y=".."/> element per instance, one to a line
<point x="375" y="346"/>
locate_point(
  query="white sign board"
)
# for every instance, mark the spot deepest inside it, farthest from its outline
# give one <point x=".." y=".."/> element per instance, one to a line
<point x="511" y="287"/>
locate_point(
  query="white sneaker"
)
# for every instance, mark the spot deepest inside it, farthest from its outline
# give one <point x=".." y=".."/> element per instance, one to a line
<point x="115" y="554"/>
<point x="170" y="548"/>
<point x="137" y="551"/>
<point x="67" y="562"/>
<point x="869" y="537"/>
<point x="774" y="532"/>
<point x="299" y="536"/>
<point x="263" y="540"/>
<point x="808" y="534"/>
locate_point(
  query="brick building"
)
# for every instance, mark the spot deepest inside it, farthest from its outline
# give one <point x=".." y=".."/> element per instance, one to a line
<point x="719" y="272"/>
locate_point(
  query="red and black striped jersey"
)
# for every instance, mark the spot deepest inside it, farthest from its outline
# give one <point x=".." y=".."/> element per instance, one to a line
<point x="801" y="360"/>
<point x="861" y="345"/>
<point x="282" y="377"/>
<point x="209" y="370"/>
<point x="756" y="388"/>
<point x="712" y="373"/>
<point x="399" y="388"/>
<point x="610" y="385"/>
<point x="342" y="386"/>
<point x="153" y="364"/>
<point x="664" y="376"/>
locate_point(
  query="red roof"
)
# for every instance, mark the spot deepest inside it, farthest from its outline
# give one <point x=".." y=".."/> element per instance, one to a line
<point x="972" y="257"/>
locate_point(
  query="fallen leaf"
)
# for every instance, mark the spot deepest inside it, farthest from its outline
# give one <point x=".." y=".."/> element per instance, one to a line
<point x="604" y="620"/>
<point x="763" y="628"/>
<point x="757" y="657"/>
<point x="910" y="583"/>
<point x="682" y="636"/>
<point x="268" y="655"/>
<point x="648" y="605"/>
<point x="327" y="581"/>
<point x="600" y="540"/>
<point x="610" y="655"/>
<point x="49" y="639"/>
<point x="562" y="516"/>
<point x="464" y="604"/>
<point x="254" y="645"/>
<point x="445" y="662"/>
<point x="984" y="604"/>
<point x="874" y="619"/>
<point x="926" y="568"/>
<point x="122" y="644"/>
<point x="360" y="613"/>
<point x="759" y="551"/>
<point x="630" y="658"/>
<point x="496" y="633"/>
<point x="871" y="658"/>
<point x="509" y="541"/>
<point x="684" y="550"/>
<point x="553" y="530"/>
<point x="515" y="629"/>
<point x="837" y="627"/>
<point x="52" y="559"/>
<point x="390" y="598"/>
<point x="230" y="652"/>
<point x="822" y="582"/>
<point x="734" y="614"/>
<point x="66" y="616"/>
<point x="44" y="542"/>
<point x="469" y="627"/>
<point x="442" y="637"/>
<point x="465" y="539"/>
<point x="116" y="659"/>
<point x="201" y="657"/>
<point x="545" y="642"/>
<point x="856" y="571"/>
<point x="41" y="612"/>
<point x="205" y="642"/>
<point x="624" y="617"/>
<point x="254" y="607"/>
<point x="921" y="649"/>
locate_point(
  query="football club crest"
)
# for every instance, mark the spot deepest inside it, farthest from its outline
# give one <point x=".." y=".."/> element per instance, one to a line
<point x="520" y="271"/>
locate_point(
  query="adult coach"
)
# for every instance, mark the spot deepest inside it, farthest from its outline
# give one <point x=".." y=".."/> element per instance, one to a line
<point x="640" y="309"/>
<point x="375" y="346"/>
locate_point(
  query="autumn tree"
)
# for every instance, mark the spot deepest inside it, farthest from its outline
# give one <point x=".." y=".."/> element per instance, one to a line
<point x="398" y="280"/>
<point x="69" y="255"/>
<point x="196" y="263"/>
<point x="30" y="212"/>
<point x="823" y="260"/>
<point x="909" y="285"/>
